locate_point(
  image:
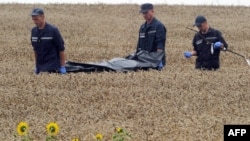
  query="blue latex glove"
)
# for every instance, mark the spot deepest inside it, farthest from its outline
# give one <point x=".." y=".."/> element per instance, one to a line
<point x="188" y="54"/>
<point x="62" y="70"/>
<point x="217" y="45"/>
<point x="160" y="66"/>
<point x="36" y="70"/>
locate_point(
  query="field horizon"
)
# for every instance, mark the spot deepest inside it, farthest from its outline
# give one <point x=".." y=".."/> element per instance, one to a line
<point x="178" y="103"/>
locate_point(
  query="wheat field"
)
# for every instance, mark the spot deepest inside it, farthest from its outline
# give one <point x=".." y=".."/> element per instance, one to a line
<point x="176" y="104"/>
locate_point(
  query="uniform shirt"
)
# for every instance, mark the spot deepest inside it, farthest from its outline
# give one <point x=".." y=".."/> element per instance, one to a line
<point x="47" y="43"/>
<point x="207" y="58"/>
<point x="152" y="37"/>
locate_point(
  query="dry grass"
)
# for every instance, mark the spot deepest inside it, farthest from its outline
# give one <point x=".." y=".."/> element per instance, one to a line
<point x="179" y="103"/>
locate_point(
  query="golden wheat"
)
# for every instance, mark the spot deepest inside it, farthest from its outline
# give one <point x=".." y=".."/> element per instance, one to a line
<point x="176" y="104"/>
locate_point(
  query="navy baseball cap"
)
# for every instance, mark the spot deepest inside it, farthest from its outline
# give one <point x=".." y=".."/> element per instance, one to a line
<point x="199" y="20"/>
<point x="37" y="12"/>
<point x="146" y="7"/>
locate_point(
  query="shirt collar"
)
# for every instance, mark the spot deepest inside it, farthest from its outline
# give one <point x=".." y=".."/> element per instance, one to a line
<point x="44" y="26"/>
<point x="152" y="22"/>
<point x="209" y="30"/>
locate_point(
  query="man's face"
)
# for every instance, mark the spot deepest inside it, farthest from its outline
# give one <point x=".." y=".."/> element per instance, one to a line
<point x="148" y="15"/>
<point x="203" y="27"/>
<point x="38" y="20"/>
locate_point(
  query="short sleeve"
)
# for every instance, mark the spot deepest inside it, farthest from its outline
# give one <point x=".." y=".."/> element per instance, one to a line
<point x="58" y="40"/>
<point x="160" y="36"/>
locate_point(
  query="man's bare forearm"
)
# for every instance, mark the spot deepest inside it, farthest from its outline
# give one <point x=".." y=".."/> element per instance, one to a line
<point x="35" y="56"/>
<point x="194" y="53"/>
<point x="62" y="58"/>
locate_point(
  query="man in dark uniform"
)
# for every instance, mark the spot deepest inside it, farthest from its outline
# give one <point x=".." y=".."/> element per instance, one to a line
<point x="152" y="34"/>
<point x="207" y="43"/>
<point x="48" y="45"/>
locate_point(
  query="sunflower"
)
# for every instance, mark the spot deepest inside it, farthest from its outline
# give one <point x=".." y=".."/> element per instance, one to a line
<point x="22" y="128"/>
<point x="119" y="130"/>
<point x="75" y="139"/>
<point x="52" y="128"/>
<point x="99" y="136"/>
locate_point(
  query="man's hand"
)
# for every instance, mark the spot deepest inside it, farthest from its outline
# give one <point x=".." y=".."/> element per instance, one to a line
<point x="62" y="70"/>
<point x="131" y="56"/>
<point x="36" y="70"/>
<point x="159" y="50"/>
<point x="160" y="66"/>
<point x="188" y="54"/>
<point x="218" y="45"/>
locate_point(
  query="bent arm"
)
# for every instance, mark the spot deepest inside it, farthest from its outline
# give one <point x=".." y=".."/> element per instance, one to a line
<point x="222" y="40"/>
<point x="195" y="47"/>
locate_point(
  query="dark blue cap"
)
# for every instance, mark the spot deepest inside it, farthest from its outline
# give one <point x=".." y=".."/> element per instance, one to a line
<point x="146" y="7"/>
<point x="199" y="20"/>
<point x="37" y="11"/>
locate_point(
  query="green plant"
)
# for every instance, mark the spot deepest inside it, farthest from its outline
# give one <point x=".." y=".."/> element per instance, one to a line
<point x="121" y="135"/>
